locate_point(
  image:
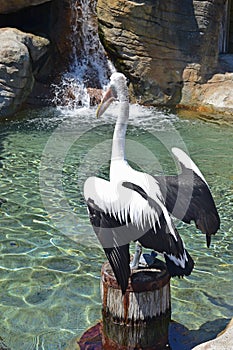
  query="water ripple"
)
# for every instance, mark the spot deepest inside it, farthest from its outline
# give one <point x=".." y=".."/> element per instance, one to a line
<point x="50" y="275"/>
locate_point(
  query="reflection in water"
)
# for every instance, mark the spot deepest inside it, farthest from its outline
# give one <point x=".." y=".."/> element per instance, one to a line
<point x="50" y="260"/>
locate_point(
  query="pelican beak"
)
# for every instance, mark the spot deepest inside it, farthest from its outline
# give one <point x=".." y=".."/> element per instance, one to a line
<point x="105" y="103"/>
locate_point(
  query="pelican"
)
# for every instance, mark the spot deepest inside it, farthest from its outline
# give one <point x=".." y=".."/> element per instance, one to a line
<point x="135" y="206"/>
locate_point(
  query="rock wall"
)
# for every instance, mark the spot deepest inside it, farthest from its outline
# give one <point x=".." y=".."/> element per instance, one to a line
<point x="8" y="6"/>
<point x="169" y="50"/>
<point x="154" y="41"/>
<point x="61" y="22"/>
<point x="69" y="22"/>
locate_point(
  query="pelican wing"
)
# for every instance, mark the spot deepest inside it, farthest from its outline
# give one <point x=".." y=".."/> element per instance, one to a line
<point x="127" y="213"/>
<point x="106" y="228"/>
<point x="178" y="260"/>
<point x="165" y="239"/>
<point x="188" y="197"/>
<point x="121" y="202"/>
<point x="118" y="215"/>
<point x="109" y="232"/>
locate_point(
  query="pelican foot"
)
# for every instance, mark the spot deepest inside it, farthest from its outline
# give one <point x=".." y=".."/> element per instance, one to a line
<point x="150" y="258"/>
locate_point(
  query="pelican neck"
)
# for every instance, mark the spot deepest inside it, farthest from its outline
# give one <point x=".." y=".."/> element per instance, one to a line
<point x="118" y="141"/>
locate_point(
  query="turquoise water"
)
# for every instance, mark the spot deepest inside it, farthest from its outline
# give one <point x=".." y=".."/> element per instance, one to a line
<point x="50" y="259"/>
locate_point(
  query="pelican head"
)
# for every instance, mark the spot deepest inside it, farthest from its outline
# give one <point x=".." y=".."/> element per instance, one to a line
<point x="117" y="90"/>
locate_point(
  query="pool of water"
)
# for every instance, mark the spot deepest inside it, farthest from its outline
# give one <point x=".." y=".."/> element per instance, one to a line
<point x="50" y="259"/>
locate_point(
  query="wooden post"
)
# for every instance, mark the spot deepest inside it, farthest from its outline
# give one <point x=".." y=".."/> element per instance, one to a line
<point x="140" y="318"/>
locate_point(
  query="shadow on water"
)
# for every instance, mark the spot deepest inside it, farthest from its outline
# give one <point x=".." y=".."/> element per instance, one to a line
<point x="2" y="138"/>
<point x="181" y="338"/>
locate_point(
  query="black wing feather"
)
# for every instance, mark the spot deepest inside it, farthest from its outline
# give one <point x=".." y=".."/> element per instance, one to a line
<point x="188" y="198"/>
<point x="119" y="260"/>
<point x="163" y="241"/>
<point x="105" y="227"/>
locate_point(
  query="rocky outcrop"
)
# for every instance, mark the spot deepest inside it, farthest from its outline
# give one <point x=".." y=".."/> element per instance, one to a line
<point x="153" y="42"/>
<point x="20" y="54"/>
<point x="7" y="6"/>
<point x="213" y="95"/>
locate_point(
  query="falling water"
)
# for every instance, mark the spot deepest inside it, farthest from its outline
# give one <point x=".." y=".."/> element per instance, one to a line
<point x="90" y="68"/>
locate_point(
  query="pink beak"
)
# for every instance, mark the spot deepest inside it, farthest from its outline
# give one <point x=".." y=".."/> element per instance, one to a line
<point x="105" y="103"/>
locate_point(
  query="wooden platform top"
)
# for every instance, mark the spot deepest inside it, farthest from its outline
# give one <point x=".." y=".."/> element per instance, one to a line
<point x="141" y="280"/>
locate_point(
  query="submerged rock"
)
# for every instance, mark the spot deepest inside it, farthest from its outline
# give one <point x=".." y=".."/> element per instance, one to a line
<point x="19" y="55"/>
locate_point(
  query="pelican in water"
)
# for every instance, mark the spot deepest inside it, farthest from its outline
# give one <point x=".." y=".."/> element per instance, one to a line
<point x="135" y="206"/>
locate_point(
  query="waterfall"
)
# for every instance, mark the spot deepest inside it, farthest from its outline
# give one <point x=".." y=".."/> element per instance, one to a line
<point x="90" y="68"/>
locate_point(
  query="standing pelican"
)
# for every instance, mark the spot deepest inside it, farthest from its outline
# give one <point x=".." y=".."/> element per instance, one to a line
<point x="135" y="206"/>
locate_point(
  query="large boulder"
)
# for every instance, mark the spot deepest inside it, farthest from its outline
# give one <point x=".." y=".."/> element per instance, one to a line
<point x="153" y="42"/>
<point x="7" y="6"/>
<point x="19" y="56"/>
<point x="213" y="95"/>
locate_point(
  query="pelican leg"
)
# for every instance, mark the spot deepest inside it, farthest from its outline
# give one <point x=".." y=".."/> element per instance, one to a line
<point x="138" y="252"/>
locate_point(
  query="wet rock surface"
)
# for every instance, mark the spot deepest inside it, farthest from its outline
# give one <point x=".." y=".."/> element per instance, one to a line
<point x="19" y="55"/>
<point x="213" y="95"/>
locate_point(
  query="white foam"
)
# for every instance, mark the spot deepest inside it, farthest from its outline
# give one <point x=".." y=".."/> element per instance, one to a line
<point x="88" y="59"/>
